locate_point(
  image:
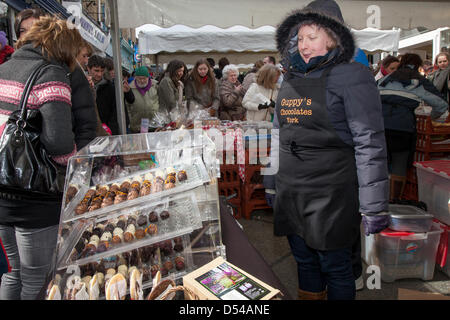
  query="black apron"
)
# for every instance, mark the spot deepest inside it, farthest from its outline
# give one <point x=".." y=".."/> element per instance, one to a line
<point x="317" y="185"/>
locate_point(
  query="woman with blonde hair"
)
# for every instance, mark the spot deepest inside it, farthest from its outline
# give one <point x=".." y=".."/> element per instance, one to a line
<point x="441" y="77"/>
<point x="202" y="89"/>
<point x="28" y="224"/>
<point x="261" y="96"/>
<point x="251" y="75"/>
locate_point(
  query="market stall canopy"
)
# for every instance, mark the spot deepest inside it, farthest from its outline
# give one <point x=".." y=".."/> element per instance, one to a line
<point x="209" y="38"/>
<point x="256" y="13"/>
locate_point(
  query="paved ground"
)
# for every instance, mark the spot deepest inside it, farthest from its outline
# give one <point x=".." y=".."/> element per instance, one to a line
<point x="276" y="252"/>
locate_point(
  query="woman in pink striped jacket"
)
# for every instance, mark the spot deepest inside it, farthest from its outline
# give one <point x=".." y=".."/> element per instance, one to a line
<point x="29" y="226"/>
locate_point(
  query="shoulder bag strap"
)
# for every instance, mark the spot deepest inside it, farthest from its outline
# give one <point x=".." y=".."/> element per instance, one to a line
<point x="27" y="89"/>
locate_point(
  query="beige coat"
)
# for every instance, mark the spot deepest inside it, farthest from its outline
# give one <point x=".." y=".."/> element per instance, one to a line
<point x="256" y="95"/>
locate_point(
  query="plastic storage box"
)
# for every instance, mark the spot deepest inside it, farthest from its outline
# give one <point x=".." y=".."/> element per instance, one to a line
<point x="409" y="218"/>
<point x="442" y="256"/>
<point x="402" y="255"/>
<point x="434" y="187"/>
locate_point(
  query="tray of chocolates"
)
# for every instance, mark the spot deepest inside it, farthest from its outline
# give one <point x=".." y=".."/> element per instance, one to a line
<point x="132" y="228"/>
<point x="90" y="281"/>
<point x="140" y="187"/>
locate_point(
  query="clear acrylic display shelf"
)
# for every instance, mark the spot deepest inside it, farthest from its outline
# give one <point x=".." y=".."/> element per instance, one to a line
<point x="98" y="238"/>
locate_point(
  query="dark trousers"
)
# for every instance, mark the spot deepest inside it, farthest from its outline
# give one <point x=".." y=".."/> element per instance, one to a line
<point x="324" y="270"/>
<point x="356" y="257"/>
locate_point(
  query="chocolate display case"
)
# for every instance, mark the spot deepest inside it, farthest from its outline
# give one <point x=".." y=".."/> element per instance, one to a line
<point x="144" y="202"/>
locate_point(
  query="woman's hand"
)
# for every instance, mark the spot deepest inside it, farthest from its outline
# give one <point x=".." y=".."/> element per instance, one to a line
<point x="126" y="86"/>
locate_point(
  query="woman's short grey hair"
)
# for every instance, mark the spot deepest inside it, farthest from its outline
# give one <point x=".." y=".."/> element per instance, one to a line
<point x="227" y="69"/>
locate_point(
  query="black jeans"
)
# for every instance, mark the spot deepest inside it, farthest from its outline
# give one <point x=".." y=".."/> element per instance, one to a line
<point x="324" y="270"/>
<point x="356" y="257"/>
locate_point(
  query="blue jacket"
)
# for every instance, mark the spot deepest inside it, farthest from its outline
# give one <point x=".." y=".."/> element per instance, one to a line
<point x="354" y="108"/>
<point x="401" y="92"/>
<point x="4" y="263"/>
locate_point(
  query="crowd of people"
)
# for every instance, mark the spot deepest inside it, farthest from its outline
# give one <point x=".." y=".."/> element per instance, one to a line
<point x="357" y="132"/>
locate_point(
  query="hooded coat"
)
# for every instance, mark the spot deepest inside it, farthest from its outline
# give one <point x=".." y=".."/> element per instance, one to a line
<point x="401" y="93"/>
<point x="354" y="111"/>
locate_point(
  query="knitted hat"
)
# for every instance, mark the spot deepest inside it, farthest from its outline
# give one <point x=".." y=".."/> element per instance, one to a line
<point x="142" y="71"/>
<point x="3" y="40"/>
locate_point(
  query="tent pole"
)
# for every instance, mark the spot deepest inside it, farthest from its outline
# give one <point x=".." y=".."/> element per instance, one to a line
<point x="115" y="35"/>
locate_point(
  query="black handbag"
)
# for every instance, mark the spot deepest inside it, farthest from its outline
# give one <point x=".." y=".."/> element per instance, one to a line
<point x="26" y="170"/>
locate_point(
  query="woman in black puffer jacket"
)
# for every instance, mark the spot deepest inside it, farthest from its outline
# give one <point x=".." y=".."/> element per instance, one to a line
<point x="332" y="154"/>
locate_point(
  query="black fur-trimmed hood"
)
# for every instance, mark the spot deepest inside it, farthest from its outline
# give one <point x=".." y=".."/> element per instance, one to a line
<point x="325" y="13"/>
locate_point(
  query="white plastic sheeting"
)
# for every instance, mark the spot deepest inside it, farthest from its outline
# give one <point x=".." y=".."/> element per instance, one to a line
<point x="209" y="38"/>
<point x="372" y="40"/>
<point x="359" y="14"/>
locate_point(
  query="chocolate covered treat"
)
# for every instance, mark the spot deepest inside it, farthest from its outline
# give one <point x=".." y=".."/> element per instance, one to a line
<point x="94" y="240"/>
<point x="114" y="188"/>
<point x="121" y="224"/>
<point x="182" y="176"/>
<point x="146" y="188"/>
<point x="178" y="247"/>
<point x="97" y="231"/>
<point x="152" y="229"/>
<point x="179" y="263"/>
<point x="88" y="251"/>
<point x="109" y="228"/>
<point x="86" y="235"/>
<point x="146" y="274"/>
<point x="164" y="272"/>
<point x="70" y="193"/>
<point x="168" y="265"/>
<point x="153" y="217"/>
<point x="146" y="253"/>
<point x="133" y="194"/>
<point x="171" y="171"/>
<point x="164" y="215"/>
<point x="128" y="235"/>
<point x="108" y="199"/>
<point x="106" y="236"/>
<point x="166" y="247"/>
<point x="154" y="270"/>
<point x="157" y="185"/>
<point x="170" y="179"/>
<point x="102" y="190"/>
<point x="81" y="208"/>
<point x="120" y="197"/>
<point x="131" y="220"/>
<point x="168" y="186"/>
<point x="139" y="234"/>
<point x="90" y="193"/>
<point x="136" y="183"/>
<point x="125" y="185"/>
<point x="117" y="236"/>
<point x="94" y="206"/>
<point x="102" y="246"/>
<point x="141" y="220"/>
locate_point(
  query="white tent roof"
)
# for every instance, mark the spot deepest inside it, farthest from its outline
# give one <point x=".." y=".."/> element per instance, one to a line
<point x="359" y="14"/>
<point x="154" y="39"/>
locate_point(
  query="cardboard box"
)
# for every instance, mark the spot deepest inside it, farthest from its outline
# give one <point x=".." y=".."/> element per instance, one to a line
<point x="221" y="280"/>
